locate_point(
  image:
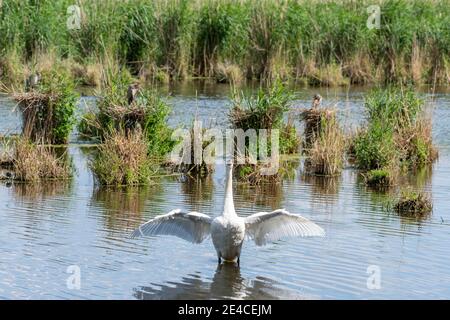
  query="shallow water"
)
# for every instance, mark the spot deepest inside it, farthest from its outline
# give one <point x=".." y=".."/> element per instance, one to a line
<point x="47" y="228"/>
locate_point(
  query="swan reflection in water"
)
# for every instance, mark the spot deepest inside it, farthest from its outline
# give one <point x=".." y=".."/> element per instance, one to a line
<point x="227" y="283"/>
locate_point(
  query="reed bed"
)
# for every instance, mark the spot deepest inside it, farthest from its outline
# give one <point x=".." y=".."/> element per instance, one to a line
<point x="48" y="111"/>
<point x="320" y="42"/>
<point x="263" y="110"/>
<point x="397" y="136"/>
<point x="34" y="163"/>
<point x="122" y="159"/>
<point x="326" y="153"/>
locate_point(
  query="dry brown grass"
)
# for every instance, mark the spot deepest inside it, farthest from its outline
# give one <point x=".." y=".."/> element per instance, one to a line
<point x="35" y="162"/>
<point x="313" y="119"/>
<point x="89" y="74"/>
<point x="225" y="72"/>
<point x="123" y="159"/>
<point x="415" y="142"/>
<point x="326" y="155"/>
<point x="37" y="118"/>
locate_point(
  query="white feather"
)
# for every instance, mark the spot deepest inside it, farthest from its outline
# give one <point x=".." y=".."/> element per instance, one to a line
<point x="190" y="226"/>
<point x="263" y="227"/>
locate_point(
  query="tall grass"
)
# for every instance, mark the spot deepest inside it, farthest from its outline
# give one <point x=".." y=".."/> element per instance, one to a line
<point x="149" y="113"/>
<point x="123" y="159"/>
<point x="34" y="163"/>
<point x="323" y="42"/>
<point x="398" y="131"/>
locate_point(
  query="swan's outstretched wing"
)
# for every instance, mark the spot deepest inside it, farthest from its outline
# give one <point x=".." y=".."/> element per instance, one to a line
<point x="264" y="227"/>
<point x="190" y="226"/>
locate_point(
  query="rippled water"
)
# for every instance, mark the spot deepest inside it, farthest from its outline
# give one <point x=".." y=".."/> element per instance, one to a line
<point x="46" y="228"/>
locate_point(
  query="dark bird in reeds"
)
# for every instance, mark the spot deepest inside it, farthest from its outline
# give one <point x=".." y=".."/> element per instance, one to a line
<point x="132" y="92"/>
<point x="32" y="82"/>
<point x="317" y="99"/>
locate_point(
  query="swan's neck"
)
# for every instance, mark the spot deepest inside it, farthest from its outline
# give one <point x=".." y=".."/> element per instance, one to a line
<point x="228" y="207"/>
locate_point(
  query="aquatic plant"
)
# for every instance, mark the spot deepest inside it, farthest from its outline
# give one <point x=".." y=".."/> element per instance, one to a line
<point x="326" y="154"/>
<point x="379" y="178"/>
<point x="33" y="162"/>
<point x="188" y="165"/>
<point x="49" y="110"/>
<point x="397" y="133"/>
<point x="122" y="159"/>
<point x="148" y="112"/>
<point x="413" y="203"/>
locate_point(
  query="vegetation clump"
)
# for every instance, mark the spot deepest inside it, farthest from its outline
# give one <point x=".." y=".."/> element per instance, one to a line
<point x="412" y="203"/>
<point x="265" y="110"/>
<point x="398" y="132"/>
<point x="49" y="109"/>
<point x="188" y="165"/>
<point x="313" y="119"/>
<point x="147" y="112"/>
<point x="379" y="178"/>
<point x="326" y="154"/>
<point x="123" y="159"/>
<point x="33" y="163"/>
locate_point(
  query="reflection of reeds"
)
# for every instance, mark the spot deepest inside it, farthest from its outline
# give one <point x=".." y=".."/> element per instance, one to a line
<point x="323" y="185"/>
<point x="265" y="194"/>
<point x="36" y="191"/>
<point x="198" y="191"/>
<point x="123" y="205"/>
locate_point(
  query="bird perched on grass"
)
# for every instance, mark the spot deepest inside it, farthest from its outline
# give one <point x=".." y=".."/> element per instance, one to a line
<point x="317" y="99"/>
<point x="228" y="230"/>
<point x="133" y="89"/>
<point x="32" y="81"/>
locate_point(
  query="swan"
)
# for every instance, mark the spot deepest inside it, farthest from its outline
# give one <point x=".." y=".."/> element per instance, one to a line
<point x="228" y="230"/>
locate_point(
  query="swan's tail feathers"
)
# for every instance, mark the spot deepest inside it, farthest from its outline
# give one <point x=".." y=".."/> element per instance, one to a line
<point x="190" y="226"/>
<point x="265" y="227"/>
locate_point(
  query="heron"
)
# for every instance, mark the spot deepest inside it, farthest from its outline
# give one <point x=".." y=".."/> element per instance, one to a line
<point x="32" y="81"/>
<point x="228" y="230"/>
<point x="317" y="99"/>
<point x="132" y="92"/>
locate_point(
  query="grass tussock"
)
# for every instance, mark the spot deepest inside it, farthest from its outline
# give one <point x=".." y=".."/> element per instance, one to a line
<point x="148" y="112"/>
<point x="326" y="154"/>
<point x="380" y="178"/>
<point x="49" y="109"/>
<point x="413" y="204"/>
<point x="34" y="163"/>
<point x="188" y="165"/>
<point x="398" y="131"/>
<point x="313" y="120"/>
<point x="122" y="159"/>
<point x="261" y="38"/>
<point x="265" y="110"/>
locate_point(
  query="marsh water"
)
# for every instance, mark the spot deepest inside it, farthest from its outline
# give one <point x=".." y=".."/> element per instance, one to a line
<point x="47" y="231"/>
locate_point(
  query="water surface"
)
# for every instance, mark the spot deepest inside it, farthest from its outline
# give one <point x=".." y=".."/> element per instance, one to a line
<point x="47" y="228"/>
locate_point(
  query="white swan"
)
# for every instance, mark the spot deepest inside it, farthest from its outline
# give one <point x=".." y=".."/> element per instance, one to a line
<point x="229" y="230"/>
